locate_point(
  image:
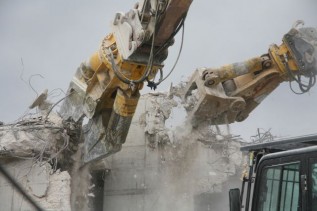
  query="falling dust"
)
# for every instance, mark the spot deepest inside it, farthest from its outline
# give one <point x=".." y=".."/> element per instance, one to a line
<point x="191" y="160"/>
<point x="181" y="163"/>
<point x="188" y="171"/>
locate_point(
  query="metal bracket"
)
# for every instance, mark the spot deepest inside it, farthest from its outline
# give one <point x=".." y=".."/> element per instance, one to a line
<point x="128" y="32"/>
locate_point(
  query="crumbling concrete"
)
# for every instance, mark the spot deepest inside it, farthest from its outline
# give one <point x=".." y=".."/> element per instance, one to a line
<point x="51" y="190"/>
<point x="171" y="168"/>
<point x="33" y="150"/>
<point x="29" y="138"/>
<point x="160" y="167"/>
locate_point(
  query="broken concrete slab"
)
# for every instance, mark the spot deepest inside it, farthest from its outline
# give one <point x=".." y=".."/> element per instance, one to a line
<point x="50" y="190"/>
<point x="38" y="180"/>
<point x="31" y="137"/>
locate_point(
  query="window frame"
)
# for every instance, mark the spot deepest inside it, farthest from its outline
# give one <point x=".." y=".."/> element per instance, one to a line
<point x="311" y="160"/>
<point x="281" y="161"/>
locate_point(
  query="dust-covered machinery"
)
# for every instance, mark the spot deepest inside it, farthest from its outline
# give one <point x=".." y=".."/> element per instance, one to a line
<point x="229" y="93"/>
<point x="105" y="89"/>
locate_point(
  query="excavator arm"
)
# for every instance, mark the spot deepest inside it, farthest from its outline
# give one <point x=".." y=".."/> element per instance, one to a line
<point x="105" y="89"/>
<point x="228" y="94"/>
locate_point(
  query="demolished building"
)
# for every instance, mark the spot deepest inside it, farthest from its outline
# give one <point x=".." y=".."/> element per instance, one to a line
<point x="160" y="166"/>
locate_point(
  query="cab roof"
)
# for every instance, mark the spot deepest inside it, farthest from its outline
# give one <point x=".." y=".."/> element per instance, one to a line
<point x="283" y="144"/>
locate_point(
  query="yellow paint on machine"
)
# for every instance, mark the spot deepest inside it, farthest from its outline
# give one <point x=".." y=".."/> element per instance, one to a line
<point x="125" y="105"/>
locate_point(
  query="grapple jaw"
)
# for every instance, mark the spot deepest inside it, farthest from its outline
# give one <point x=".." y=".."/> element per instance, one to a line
<point x="210" y="103"/>
<point x="230" y="101"/>
<point x="302" y="43"/>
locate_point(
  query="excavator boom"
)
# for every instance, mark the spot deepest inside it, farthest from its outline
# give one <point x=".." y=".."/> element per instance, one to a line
<point x="105" y="89"/>
<point x="228" y="94"/>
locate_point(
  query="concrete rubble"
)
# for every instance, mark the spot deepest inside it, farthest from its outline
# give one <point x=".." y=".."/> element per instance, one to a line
<point x="30" y="150"/>
<point x="50" y="190"/>
<point x="161" y="166"/>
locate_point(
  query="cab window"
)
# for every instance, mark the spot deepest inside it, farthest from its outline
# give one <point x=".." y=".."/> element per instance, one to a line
<point x="279" y="188"/>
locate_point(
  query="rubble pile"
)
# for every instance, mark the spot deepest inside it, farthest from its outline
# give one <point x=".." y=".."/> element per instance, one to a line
<point x="180" y="145"/>
<point x="36" y="151"/>
<point x="169" y="166"/>
<point x="30" y="138"/>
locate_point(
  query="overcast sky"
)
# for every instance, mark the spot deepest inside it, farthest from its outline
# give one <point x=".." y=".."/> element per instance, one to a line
<point x="53" y="37"/>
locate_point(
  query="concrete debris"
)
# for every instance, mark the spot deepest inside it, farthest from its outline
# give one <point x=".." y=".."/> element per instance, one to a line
<point x="50" y="190"/>
<point x="263" y="136"/>
<point x="178" y="167"/>
<point x="165" y="164"/>
<point x="41" y="102"/>
<point x="59" y="191"/>
<point x="40" y="137"/>
<point x="178" y="143"/>
<point x="30" y="138"/>
<point x="37" y="150"/>
<point x="38" y="180"/>
<point x="158" y="110"/>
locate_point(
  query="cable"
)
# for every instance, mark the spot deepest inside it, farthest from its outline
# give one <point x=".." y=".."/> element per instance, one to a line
<point x="149" y="67"/>
<point x="303" y="87"/>
<point x="121" y="76"/>
<point x="152" y="84"/>
<point x="49" y="111"/>
<point x="143" y="9"/>
<point x="172" y="35"/>
<point x="30" y="84"/>
<point x="298" y="79"/>
<point x="65" y="145"/>
<point x="178" y="56"/>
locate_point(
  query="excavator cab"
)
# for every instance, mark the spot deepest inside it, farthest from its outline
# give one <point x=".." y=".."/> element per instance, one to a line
<point x="282" y="176"/>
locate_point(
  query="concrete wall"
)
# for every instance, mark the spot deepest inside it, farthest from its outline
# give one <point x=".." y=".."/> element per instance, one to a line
<point x="50" y="191"/>
<point x="30" y="149"/>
